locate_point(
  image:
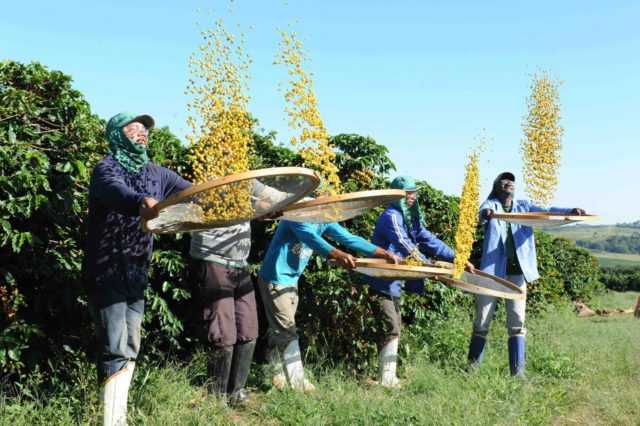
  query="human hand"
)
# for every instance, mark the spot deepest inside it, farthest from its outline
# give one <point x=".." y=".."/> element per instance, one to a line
<point x="146" y="209"/>
<point x="470" y="268"/>
<point x="271" y="216"/>
<point x="386" y="254"/>
<point x="343" y="259"/>
<point x="487" y="214"/>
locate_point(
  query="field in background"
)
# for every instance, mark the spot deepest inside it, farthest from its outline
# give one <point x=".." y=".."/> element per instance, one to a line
<point x="592" y="232"/>
<point x="608" y="259"/>
<point x="599" y="233"/>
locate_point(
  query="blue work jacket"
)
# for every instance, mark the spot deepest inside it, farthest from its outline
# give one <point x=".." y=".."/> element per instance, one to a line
<point x="494" y="254"/>
<point x="391" y="234"/>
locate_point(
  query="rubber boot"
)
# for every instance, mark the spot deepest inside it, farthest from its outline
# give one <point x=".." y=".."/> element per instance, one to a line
<point x="240" y="366"/>
<point x="388" y="364"/>
<point x="114" y="396"/>
<point x="276" y="368"/>
<point x="293" y="368"/>
<point x="517" y="356"/>
<point x="219" y="368"/>
<point x="476" y="350"/>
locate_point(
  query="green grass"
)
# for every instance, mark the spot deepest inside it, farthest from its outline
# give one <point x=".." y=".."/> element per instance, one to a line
<point x="580" y="371"/>
<point x="607" y="259"/>
<point x="597" y="233"/>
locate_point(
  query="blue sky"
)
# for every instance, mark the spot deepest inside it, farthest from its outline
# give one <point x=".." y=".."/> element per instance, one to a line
<point x="421" y="77"/>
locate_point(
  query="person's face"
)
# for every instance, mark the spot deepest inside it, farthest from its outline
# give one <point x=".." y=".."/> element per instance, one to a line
<point x="411" y="197"/>
<point x="507" y="186"/>
<point x="137" y="133"/>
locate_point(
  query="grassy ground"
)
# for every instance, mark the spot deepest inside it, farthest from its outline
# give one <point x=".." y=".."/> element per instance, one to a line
<point x="580" y="371"/>
<point x="597" y="233"/>
<point x="608" y="259"/>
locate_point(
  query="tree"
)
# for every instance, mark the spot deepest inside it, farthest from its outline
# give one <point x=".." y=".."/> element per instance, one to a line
<point x="49" y="142"/>
<point x="50" y="139"/>
<point x="362" y="162"/>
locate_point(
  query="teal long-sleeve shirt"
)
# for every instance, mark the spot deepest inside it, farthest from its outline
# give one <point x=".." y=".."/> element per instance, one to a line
<point x="294" y="243"/>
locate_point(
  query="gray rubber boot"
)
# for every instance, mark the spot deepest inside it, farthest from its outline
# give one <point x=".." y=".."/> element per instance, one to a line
<point x="219" y="369"/>
<point x="276" y="368"/>
<point x="240" y="367"/>
<point x="293" y="368"/>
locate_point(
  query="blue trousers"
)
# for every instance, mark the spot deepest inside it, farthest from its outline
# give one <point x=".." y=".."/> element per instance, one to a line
<point x="117" y="300"/>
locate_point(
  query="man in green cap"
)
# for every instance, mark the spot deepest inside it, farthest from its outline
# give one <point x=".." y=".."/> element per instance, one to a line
<point x="401" y="230"/>
<point x="125" y="186"/>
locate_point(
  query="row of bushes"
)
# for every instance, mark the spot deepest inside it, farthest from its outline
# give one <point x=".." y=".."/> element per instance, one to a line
<point x="621" y="279"/>
<point x="50" y="141"/>
<point x="614" y="243"/>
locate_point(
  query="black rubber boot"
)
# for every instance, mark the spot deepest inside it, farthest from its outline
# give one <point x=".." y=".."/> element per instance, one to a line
<point x="242" y="357"/>
<point x="219" y="368"/>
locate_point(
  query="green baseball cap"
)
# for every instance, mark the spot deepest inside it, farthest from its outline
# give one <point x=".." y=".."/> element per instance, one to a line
<point x="406" y="183"/>
<point x="122" y="119"/>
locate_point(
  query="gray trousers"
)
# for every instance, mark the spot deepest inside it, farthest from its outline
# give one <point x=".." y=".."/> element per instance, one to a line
<point x="386" y="310"/>
<point x="280" y="305"/>
<point x="486" y="306"/>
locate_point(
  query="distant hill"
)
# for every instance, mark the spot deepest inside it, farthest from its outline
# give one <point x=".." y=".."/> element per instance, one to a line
<point x="635" y="224"/>
<point x="613" y="245"/>
<point x="595" y="232"/>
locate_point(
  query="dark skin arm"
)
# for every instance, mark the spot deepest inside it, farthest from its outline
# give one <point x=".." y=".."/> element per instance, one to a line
<point x="385" y="254"/>
<point x="349" y="262"/>
<point x="146" y="209"/>
<point x="342" y="258"/>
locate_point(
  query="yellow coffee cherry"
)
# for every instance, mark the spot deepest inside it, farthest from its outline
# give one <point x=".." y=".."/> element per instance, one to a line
<point x="219" y="122"/>
<point x="468" y="216"/>
<point x="312" y="138"/>
<point x="414" y="259"/>
<point x="541" y="145"/>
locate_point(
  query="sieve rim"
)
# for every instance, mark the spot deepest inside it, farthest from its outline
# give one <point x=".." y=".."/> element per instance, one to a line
<point x="548" y="216"/>
<point x="396" y="194"/>
<point x="239" y="177"/>
<point x="429" y="271"/>
<point x="444" y="273"/>
<point x="476" y="289"/>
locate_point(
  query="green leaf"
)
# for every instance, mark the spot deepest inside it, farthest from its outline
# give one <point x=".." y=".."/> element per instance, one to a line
<point x="65" y="167"/>
<point x="13" y="354"/>
<point x="6" y="226"/>
<point x="12" y="135"/>
<point x="81" y="168"/>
